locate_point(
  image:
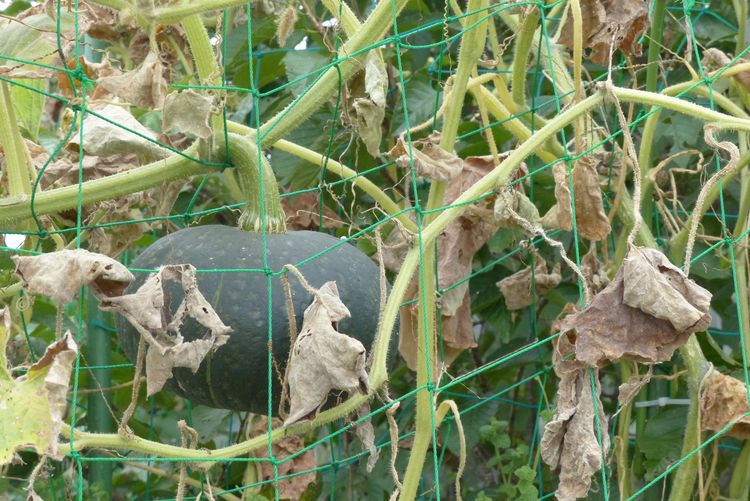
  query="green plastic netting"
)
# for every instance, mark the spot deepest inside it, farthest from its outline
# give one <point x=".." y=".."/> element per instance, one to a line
<point x="294" y="80"/>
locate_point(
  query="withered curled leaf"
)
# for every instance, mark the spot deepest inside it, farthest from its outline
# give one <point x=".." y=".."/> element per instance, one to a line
<point x="594" y="271"/>
<point x="295" y="482"/>
<point x="66" y="170"/>
<point x="369" y="107"/>
<point x="60" y="275"/>
<point x="607" y="21"/>
<point x="145" y="86"/>
<point x="648" y="311"/>
<point x="148" y="310"/>
<point x="723" y="400"/>
<point x="32" y="407"/>
<point x="657" y="287"/>
<point x="628" y="390"/>
<point x="591" y="220"/>
<point x="322" y="358"/>
<point x="570" y="442"/>
<point x="366" y="434"/>
<point x="303" y="212"/>
<point x="509" y="203"/>
<point x="430" y="160"/>
<point x="113" y="134"/>
<point x="518" y="288"/>
<point x="187" y="112"/>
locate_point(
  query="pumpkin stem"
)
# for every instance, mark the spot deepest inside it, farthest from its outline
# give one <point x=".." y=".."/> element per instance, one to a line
<point x="253" y="167"/>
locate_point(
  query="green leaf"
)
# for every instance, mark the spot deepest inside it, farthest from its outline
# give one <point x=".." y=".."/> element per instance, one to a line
<point x="662" y="439"/>
<point x="313" y="133"/>
<point x="303" y="63"/>
<point x="29" y="105"/>
<point x="420" y="101"/>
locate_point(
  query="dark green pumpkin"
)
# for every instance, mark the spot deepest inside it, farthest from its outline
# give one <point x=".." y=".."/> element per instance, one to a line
<point x="235" y="376"/>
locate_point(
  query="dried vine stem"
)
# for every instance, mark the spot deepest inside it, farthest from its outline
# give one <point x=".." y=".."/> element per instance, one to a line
<point x="630" y="151"/>
<point x="734" y="161"/>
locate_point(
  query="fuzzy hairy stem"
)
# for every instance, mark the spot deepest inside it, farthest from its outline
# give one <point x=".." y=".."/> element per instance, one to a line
<point x="521" y="51"/>
<point x="656" y="35"/>
<point x="262" y="202"/>
<point x="472" y="46"/>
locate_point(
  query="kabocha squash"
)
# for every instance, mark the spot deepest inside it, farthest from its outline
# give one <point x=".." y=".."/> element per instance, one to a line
<point x="236" y="375"/>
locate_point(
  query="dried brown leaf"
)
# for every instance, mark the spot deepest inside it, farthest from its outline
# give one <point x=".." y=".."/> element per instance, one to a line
<point x="187" y="112"/>
<point x="518" y="288"/>
<point x="369" y="109"/>
<point x="296" y="482"/>
<point x="430" y="160"/>
<point x="570" y="440"/>
<point x="303" y="212"/>
<point x="657" y="287"/>
<point x="113" y="241"/>
<point x="594" y="271"/>
<point x="559" y="216"/>
<point x="615" y="327"/>
<point x="628" y="390"/>
<point x="591" y="220"/>
<point x="590" y="216"/>
<point x="148" y="310"/>
<point x="511" y="202"/>
<point x="366" y="434"/>
<point x="322" y="358"/>
<point x="145" y="86"/>
<point x="724" y="400"/>
<point x="605" y="22"/>
<point x="60" y="275"/>
<point x="65" y="170"/>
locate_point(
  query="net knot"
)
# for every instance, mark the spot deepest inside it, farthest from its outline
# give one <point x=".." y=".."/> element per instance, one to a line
<point x="79" y="74"/>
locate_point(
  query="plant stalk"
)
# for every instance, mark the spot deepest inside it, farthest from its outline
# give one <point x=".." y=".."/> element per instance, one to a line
<point x="687" y="472"/>
<point x="259" y="211"/>
<point x="209" y="72"/>
<point x="340" y="170"/>
<point x="656" y="36"/>
<point x="472" y="46"/>
<point x="739" y="485"/>
<point x="524" y="39"/>
<point x="13" y="209"/>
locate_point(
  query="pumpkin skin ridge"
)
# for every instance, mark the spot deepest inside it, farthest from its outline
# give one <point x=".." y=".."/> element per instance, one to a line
<point x="235" y="375"/>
